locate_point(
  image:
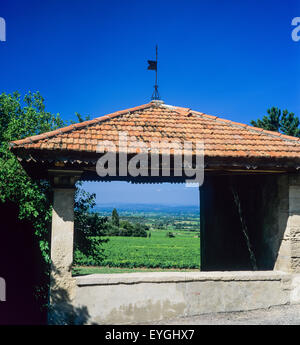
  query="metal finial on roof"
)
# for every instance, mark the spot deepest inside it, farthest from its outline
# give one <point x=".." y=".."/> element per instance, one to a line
<point x="153" y="66"/>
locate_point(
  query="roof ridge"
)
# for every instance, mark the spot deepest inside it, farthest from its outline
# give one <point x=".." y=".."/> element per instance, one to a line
<point x="249" y="127"/>
<point x="182" y="110"/>
<point x="71" y="127"/>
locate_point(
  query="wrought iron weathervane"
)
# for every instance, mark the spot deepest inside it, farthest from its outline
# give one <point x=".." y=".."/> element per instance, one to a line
<point x="153" y="66"/>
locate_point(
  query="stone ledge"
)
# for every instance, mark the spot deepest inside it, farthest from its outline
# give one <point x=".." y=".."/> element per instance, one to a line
<point x="172" y="277"/>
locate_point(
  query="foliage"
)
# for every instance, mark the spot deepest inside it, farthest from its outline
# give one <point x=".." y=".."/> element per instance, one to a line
<point x="20" y="118"/>
<point x="115" y="218"/>
<point x="139" y="230"/>
<point x="283" y="122"/>
<point x="89" y="226"/>
<point x="86" y="225"/>
<point x="116" y="227"/>
<point x="170" y="234"/>
<point x="90" y="251"/>
<point x="127" y="228"/>
<point x="80" y="118"/>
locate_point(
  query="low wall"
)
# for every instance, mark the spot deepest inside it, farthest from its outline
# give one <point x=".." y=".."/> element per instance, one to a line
<point x="145" y="297"/>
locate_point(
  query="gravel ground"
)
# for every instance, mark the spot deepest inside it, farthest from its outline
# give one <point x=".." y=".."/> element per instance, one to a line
<point x="279" y="315"/>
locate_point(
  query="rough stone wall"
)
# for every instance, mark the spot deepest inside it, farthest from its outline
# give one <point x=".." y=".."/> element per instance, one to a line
<point x="288" y="258"/>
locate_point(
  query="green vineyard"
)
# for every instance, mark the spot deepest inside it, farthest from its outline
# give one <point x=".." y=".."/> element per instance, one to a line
<point x="158" y="251"/>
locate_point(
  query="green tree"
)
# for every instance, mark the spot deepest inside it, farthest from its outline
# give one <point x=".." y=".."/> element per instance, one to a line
<point x="126" y="228"/>
<point x="19" y="118"/>
<point x="139" y="230"/>
<point x="283" y="122"/>
<point x="88" y="227"/>
<point x="115" y="219"/>
<point x="113" y="230"/>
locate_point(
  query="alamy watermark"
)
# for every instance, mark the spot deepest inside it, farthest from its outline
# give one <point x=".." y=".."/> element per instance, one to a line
<point x="156" y="158"/>
<point x="296" y="30"/>
<point x="2" y="29"/>
<point x="2" y="290"/>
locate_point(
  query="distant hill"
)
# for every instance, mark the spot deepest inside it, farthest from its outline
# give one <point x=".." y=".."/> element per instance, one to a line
<point x="147" y="208"/>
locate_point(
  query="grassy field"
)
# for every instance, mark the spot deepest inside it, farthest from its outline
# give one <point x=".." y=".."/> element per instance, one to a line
<point x="158" y="251"/>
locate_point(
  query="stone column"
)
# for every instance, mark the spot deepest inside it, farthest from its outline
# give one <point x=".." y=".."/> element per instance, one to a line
<point x="62" y="285"/>
<point x="288" y="258"/>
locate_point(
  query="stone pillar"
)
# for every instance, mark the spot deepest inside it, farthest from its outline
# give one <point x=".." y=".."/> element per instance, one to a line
<point x="62" y="285"/>
<point x="288" y="258"/>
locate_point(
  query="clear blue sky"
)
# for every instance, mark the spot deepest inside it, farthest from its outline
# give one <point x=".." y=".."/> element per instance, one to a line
<point x="229" y="58"/>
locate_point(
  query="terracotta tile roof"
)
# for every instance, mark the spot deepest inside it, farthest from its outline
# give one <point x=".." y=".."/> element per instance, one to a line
<point x="156" y="121"/>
